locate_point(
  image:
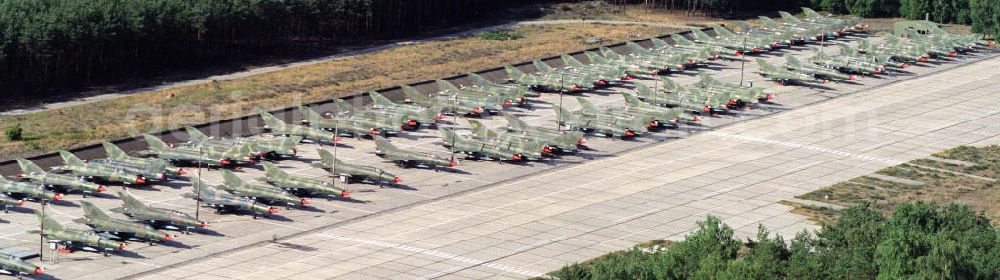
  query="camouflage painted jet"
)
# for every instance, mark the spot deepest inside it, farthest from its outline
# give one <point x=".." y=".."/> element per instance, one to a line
<point x="662" y="116"/>
<point x="278" y="127"/>
<point x="191" y="156"/>
<point x="100" y="170"/>
<point x="847" y="63"/>
<point x="510" y="93"/>
<point x="118" y="228"/>
<point x="793" y="64"/>
<point x="158" y="217"/>
<point x="685" y="59"/>
<point x="454" y="103"/>
<point x="850" y="23"/>
<point x="35" y="174"/>
<point x="619" y="73"/>
<point x="683" y="43"/>
<point x="562" y="141"/>
<point x="151" y="165"/>
<point x="222" y="201"/>
<point x="475" y="149"/>
<point x="412" y="114"/>
<point x="72" y="239"/>
<point x="269" y="194"/>
<point x="7" y="202"/>
<point x="551" y="83"/>
<point x="601" y="77"/>
<point x="407" y="158"/>
<point x="343" y="127"/>
<point x="528" y="148"/>
<point x="25" y="190"/>
<point x="353" y="172"/>
<point x="18" y="267"/>
<point x="910" y="55"/>
<point x="608" y="124"/>
<point x="643" y="66"/>
<point x="301" y="186"/>
<point x="782" y="76"/>
<point x="746" y="94"/>
<point x="271" y="148"/>
<point x="494" y="101"/>
<point x="386" y="122"/>
<point x="789" y="35"/>
<point x="736" y="46"/>
<point x="759" y="41"/>
<point x="877" y="60"/>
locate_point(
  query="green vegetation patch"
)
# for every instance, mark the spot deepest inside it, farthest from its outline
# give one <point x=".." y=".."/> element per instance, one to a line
<point x="917" y="241"/>
<point x="499" y="35"/>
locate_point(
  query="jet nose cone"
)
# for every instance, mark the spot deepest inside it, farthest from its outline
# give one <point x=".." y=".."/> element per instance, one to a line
<point x="345" y="194"/>
<point x="516" y="157"/>
<point x="582" y="141"/>
<point x="140" y="180"/>
<point x="168" y="237"/>
<point x="202" y="224"/>
<point x="121" y="246"/>
<point x="397" y="180"/>
<point x="303" y="201"/>
<point x="452" y="164"/>
<point x="38" y="271"/>
<point x="163" y="176"/>
<point x="181" y="171"/>
<point x="58" y="196"/>
<point x="225" y="162"/>
<point x="272" y="210"/>
<point x="852" y="77"/>
<point x="101" y="189"/>
<point x="21" y="203"/>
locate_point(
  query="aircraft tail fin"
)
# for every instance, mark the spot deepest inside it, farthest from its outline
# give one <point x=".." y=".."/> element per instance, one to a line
<point x="572" y="62"/>
<point x="326" y="157"/>
<point x="271" y="121"/>
<point x="155" y="143"/>
<point x="659" y="43"/>
<point x="479" y="80"/>
<point x="789" y="17"/>
<point x="791" y="60"/>
<point x="91" y="212"/>
<point x="194" y="135"/>
<point x="766" y="66"/>
<point x="515" y="123"/>
<point x="744" y="26"/>
<point x="810" y="12"/>
<point x="564" y="115"/>
<point x="541" y="66"/>
<point x="449" y="136"/>
<point x="680" y="40"/>
<point x="636" y="48"/>
<point x="49" y="223"/>
<point x="586" y="104"/>
<point x="273" y="171"/>
<point x="415" y="96"/>
<point x="342" y="107"/>
<point x="669" y="84"/>
<point x="308" y="114"/>
<point x="707" y="79"/>
<point x="770" y="23"/>
<point x="631" y="100"/>
<point x="700" y="35"/>
<point x="514" y="73"/>
<point x="231" y="179"/>
<point x="383" y="145"/>
<point x="722" y="31"/>
<point x="643" y="90"/>
<point x="29" y="167"/>
<point x="609" y="53"/>
<point x="70" y="158"/>
<point x="129" y="200"/>
<point x="595" y="58"/>
<point x="447" y="86"/>
<point x="380" y="101"/>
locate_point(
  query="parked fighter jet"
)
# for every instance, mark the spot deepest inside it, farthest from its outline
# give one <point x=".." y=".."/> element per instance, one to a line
<point x="76" y="239"/>
<point x="271" y="148"/>
<point x="237" y="186"/>
<point x="222" y="201"/>
<point x="683" y="43"/>
<point x="528" y="148"/>
<point x="411" y="114"/>
<point x="118" y="228"/>
<point x="18" y="267"/>
<point x="385" y="122"/>
<point x="600" y="77"/>
<point x="31" y="172"/>
<point x="454" y="103"/>
<point x="25" y="190"/>
<point x="475" y="149"/>
<point x="609" y="124"/>
<point x="99" y="170"/>
<point x="150" y="165"/>
<point x="232" y="156"/>
<point x="510" y="93"/>
<point x="301" y="186"/>
<point x="735" y="46"/>
<point x="343" y="127"/>
<point x="793" y="64"/>
<point x="158" y="217"/>
<point x="551" y="83"/>
<point x="746" y="94"/>
<point x="782" y="76"/>
<point x="662" y="116"/>
<point x="353" y="172"/>
<point x="847" y="63"/>
<point x="563" y="141"/>
<point x="278" y="127"/>
<point x="407" y="158"/>
<point x="617" y="73"/>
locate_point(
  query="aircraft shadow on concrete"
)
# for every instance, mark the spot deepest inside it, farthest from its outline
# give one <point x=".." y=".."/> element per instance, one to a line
<point x="310" y="208"/>
<point x="296" y="247"/>
<point x="21" y="210"/>
<point x="175" y="244"/>
<point x="4" y="221"/>
<point x="63" y="203"/>
<point x="205" y="231"/>
<point x="398" y="186"/>
<point x="275" y="217"/>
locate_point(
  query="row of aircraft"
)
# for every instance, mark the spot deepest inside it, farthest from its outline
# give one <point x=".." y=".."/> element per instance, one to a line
<point x="666" y="105"/>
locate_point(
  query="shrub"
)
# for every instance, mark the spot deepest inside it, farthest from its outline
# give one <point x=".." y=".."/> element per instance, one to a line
<point x="14" y="133"/>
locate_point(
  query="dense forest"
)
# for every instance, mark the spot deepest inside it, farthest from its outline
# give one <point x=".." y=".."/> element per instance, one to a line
<point x="918" y="241"/>
<point x="45" y="42"/>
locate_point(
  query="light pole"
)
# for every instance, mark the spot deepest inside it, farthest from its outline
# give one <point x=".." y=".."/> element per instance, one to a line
<point x="562" y="91"/>
<point x="336" y="133"/>
<point x="197" y="201"/>
<point x="743" y="61"/>
<point x="41" y="234"/>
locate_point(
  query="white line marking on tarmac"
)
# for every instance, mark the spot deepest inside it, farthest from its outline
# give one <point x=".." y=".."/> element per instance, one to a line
<point x="443" y="255"/>
<point x="807" y="147"/>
